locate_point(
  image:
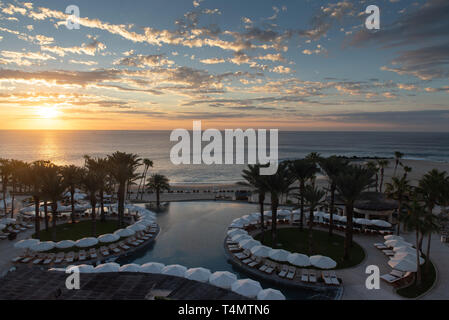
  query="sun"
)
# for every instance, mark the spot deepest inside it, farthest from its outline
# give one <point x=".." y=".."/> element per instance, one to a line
<point x="47" y="112"/>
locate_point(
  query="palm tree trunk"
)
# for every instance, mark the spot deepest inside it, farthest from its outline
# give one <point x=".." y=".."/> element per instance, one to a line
<point x="54" y="209"/>
<point x="429" y="238"/>
<point x="331" y="211"/>
<point x="102" y="214"/>
<point x="262" y="222"/>
<point x="301" y="190"/>
<point x="348" y="234"/>
<point x="72" y="203"/>
<point x="94" y="217"/>
<point x="274" y="212"/>
<point x="158" y="197"/>
<point x="311" y="231"/>
<point x="46" y="215"/>
<point x="12" y="204"/>
<point x="399" y="216"/>
<point x="381" y="179"/>
<point x="37" y="218"/>
<point x="418" y="269"/>
<point x="4" y="199"/>
<point x="121" y="203"/>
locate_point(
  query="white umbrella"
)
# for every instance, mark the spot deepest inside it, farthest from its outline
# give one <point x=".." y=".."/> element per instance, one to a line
<point x="362" y="221"/>
<point x="397" y="243"/>
<point x="270" y="294"/>
<point x="322" y="262"/>
<point x="403" y="265"/>
<point x="26" y="244"/>
<point x="198" y="274"/>
<point x="107" y="267"/>
<point x="409" y="256"/>
<point x="108" y="238"/>
<point x="137" y="227"/>
<point x="237" y="224"/>
<point x="280" y="255"/>
<point x="86" y="242"/>
<point x="240" y="237"/>
<point x="248" y="243"/>
<point x="316" y="214"/>
<point x="130" y="268"/>
<point x="393" y="237"/>
<point x="381" y="223"/>
<point x="7" y="221"/>
<point x="255" y="216"/>
<point x="260" y="251"/>
<point x="247" y="287"/>
<point x="174" y="270"/>
<point x="298" y="259"/>
<point x="284" y="212"/>
<point x="64" y="244"/>
<point x="234" y="232"/>
<point x="222" y="279"/>
<point x="82" y="268"/>
<point x="124" y="232"/>
<point x="146" y="222"/>
<point x="2" y="226"/>
<point x="406" y="249"/>
<point x="43" y="246"/>
<point x="152" y="267"/>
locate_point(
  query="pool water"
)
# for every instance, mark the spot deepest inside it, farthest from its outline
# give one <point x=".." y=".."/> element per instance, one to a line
<point x="192" y="234"/>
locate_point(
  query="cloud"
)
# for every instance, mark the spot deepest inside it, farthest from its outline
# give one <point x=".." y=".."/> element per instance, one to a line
<point x="213" y="61"/>
<point x="23" y="58"/>
<point x="89" y="49"/>
<point x="141" y="61"/>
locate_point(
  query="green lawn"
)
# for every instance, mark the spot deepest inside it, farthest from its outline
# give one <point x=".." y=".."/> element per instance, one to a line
<point x="78" y="230"/>
<point x="428" y="275"/>
<point x="294" y="240"/>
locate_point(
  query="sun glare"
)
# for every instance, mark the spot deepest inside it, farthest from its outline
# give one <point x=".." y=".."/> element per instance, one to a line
<point x="47" y="112"/>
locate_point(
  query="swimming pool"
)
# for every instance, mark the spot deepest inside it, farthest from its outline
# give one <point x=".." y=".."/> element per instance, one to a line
<point x="192" y="234"/>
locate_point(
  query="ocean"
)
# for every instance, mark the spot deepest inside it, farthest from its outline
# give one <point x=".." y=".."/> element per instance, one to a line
<point x="68" y="147"/>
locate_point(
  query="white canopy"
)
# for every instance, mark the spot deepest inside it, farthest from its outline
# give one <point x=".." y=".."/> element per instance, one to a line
<point x="248" y="243"/>
<point x="270" y="294"/>
<point x="107" y="267"/>
<point x="403" y="265"/>
<point x="82" y="268"/>
<point x="174" y="270"/>
<point x="393" y="237"/>
<point x="108" y="238"/>
<point x="322" y="262"/>
<point x="298" y="259"/>
<point x="261" y="251"/>
<point x="397" y="243"/>
<point x="234" y="232"/>
<point x="2" y="226"/>
<point x="237" y="224"/>
<point x="406" y="249"/>
<point x="317" y="214"/>
<point x="198" y="274"/>
<point x="132" y="267"/>
<point x="362" y="221"/>
<point x="240" y="237"/>
<point x="222" y="279"/>
<point x="124" y="232"/>
<point x="409" y="256"/>
<point x="284" y="212"/>
<point x="26" y="244"/>
<point x="381" y="223"/>
<point x="137" y="227"/>
<point x="7" y="221"/>
<point x="64" y="244"/>
<point x="43" y="246"/>
<point x="247" y="287"/>
<point x="280" y="255"/>
<point x="152" y="267"/>
<point x="87" y="242"/>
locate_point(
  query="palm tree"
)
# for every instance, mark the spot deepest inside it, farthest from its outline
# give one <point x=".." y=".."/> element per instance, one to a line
<point x="256" y="181"/>
<point x="158" y="183"/>
<point x="407" y="170"/>
<point x="350" y="184"/>
<point x="147" y="163"/>
<point x="92" y="182"/>
<point x="397" y="158"/>
<point x="331" y="167"/>
<point x="371" y="165"/>
<point x="277" y="184"/>
<point x="100" y="167"/>
<point x="431" y="190"/>
<point x="399" y="189"/>
<point x="382" y="165"/>
<point x="53" y="189"/>
<point x="72" y="177"/>
<point x="313" y="196"/>
<point x="5" y="173"/>
<point x="122" y="166"/>
<point x="415" y="220"/>
<point x="302" y="170"/>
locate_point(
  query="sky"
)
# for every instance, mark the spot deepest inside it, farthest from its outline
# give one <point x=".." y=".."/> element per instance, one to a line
<point x="290" y="65"/>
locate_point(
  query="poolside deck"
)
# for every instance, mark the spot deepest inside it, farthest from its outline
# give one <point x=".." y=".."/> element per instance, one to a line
<point x="36" y="284"/>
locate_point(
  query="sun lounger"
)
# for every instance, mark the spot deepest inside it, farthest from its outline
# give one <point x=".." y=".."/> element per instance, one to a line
<point x="326" y="278"/>
<point x="93" y="253"/>
<point x="59" y="257"/>
<point x="397" y="273"/>
<point x="256" y="261"/>
<point x="291" y="273"/>
<point x="263" y="267"/>
<point x="18" y="258"/>
<point x="114" y="248"/>
<point x="312" y="277"/>
<point x="3" y="236"/>
<point x="241" y="255"/>
<point x="305" y="276"/>
<point x="28" y="258"/>
<point x="39" y="259"/>
<point x="270" y="268"/>
<point x="234" y="249"/>
<point x="82" y="255"/>
<point x="389" y="278"/>
<point x="70" y="257"/>
<point x="104" y="251"/>
<point x="49" y="258"/>
<point x="380" y="246"/>
<point x="247" y="260"/>
<point x="389" y="253"/>
<point x="123" y="246"/>
<point x="283" y="272"/>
